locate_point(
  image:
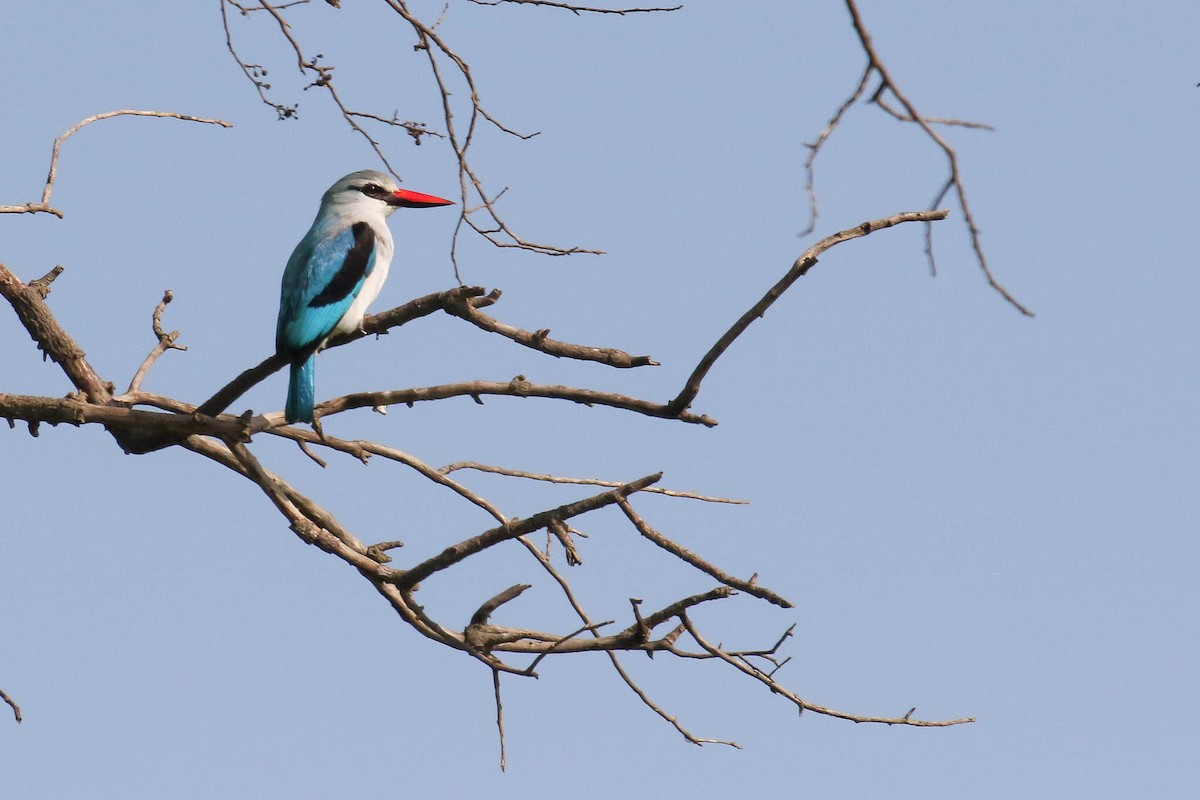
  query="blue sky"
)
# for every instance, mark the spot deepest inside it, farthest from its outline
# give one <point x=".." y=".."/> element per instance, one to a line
<point x="974" y="512"/>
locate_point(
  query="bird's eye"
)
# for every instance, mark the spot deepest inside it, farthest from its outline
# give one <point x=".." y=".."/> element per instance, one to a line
<point x="372" y="190"/>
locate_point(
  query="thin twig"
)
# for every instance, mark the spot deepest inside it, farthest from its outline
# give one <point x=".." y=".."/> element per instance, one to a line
<point x="814" y="149"/>
<point x="954" y="123"/>
<point x="576" y="9"/>
<point x="16" y="709"/>
<point x="165" y="342"/>
<point x="362" y="449"/>
<point x="586" y="628"/>
<point x="801" y="703"/>
<point x="535" y="476"/>
<point x="559" y="530"/>
<point x="324" y="80"/>
<point x="499" y="718"/>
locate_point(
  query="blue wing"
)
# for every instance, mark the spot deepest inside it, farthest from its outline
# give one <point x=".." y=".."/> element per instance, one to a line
<point x="321" y="280"/>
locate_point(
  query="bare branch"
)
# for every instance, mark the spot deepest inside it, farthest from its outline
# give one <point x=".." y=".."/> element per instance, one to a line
<point x="456" y="553"/>
<point x="520" y="387"/>
<point x="324" y="80"/>
<point x="682" y="553"/>
<point x="802" y="265"/>
<point x="44" y="205"/>
<point x="517" y="387"/>
<point x="243" y="383"/>
<point x="310" y="522"/>
<point x="255" y="73"/>
<point x="540" y="340"/>
<point x="657" y="709"/>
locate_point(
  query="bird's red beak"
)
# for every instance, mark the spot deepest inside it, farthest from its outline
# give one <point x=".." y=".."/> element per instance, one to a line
<point x="406" y="199"/>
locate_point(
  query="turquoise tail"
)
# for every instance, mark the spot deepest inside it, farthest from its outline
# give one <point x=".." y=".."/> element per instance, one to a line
<point x="301" y="390"/>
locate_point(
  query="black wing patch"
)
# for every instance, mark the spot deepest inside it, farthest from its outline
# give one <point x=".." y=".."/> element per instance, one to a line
<point x="353" y="269"/>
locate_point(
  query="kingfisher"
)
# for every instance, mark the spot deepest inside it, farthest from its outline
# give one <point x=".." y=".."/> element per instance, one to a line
<point x="335" y="272"/>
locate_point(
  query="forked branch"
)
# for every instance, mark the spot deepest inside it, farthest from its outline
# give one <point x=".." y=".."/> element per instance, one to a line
<point x="887" y="86"/>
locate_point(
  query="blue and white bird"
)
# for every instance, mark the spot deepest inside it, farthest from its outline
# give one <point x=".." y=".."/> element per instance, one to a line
<point x="335" y="272"/>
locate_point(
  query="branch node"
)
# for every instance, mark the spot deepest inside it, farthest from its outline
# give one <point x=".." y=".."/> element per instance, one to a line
<point x="379" y="551"/>
<point x="484" y="612"/>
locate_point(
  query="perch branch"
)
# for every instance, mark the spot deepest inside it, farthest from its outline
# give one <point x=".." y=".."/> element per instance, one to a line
<point x="462" y="302"/>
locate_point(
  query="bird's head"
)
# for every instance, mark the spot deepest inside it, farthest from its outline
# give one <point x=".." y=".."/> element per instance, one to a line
<point x="368" y="190"/>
